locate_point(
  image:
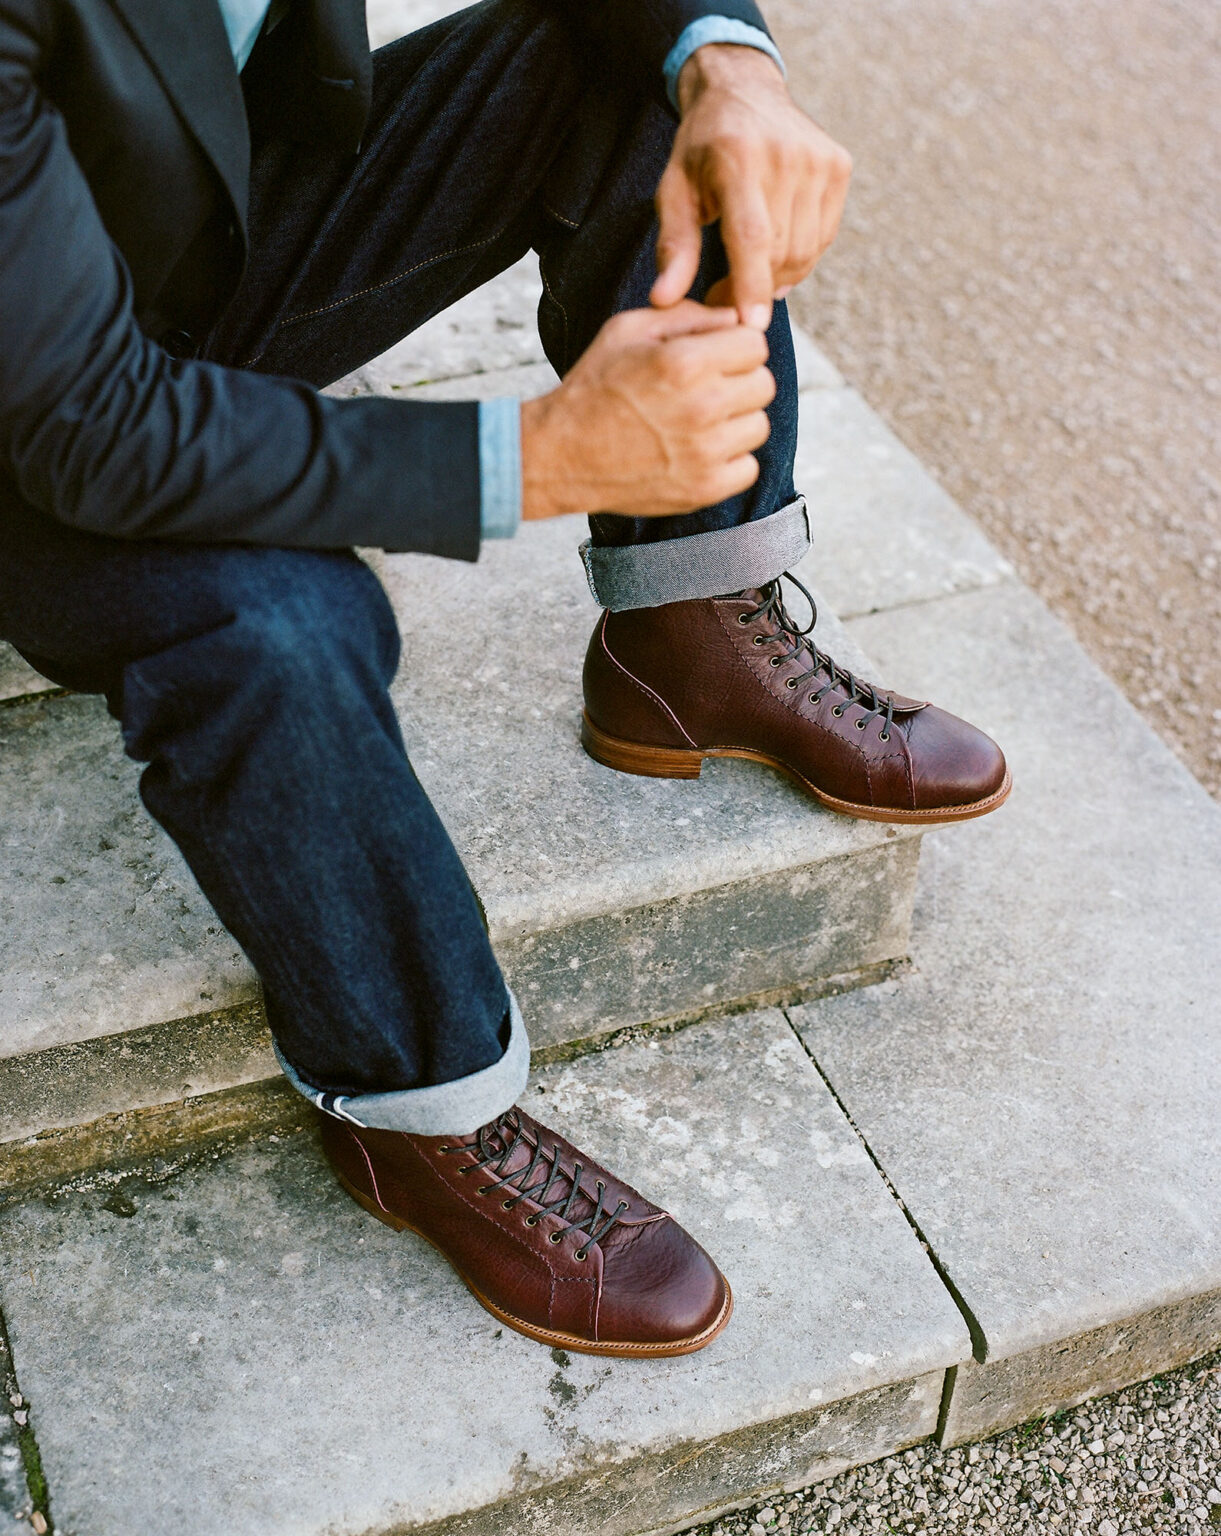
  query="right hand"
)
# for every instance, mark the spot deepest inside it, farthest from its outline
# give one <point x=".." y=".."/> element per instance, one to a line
<point x="660" y="415"/>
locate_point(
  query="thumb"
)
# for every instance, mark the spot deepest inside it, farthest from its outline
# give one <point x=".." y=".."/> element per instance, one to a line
<point x="679" y="239"/>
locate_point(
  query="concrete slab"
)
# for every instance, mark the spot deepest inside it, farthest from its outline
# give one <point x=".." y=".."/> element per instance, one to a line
<point x="1043" y="1086"/>
<point x="885" y="533"/>
<point x="16" y="678"/>
<point x="249" y="1350"/>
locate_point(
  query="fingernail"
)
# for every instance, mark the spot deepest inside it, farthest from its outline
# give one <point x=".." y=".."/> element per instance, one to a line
<point x="759" y="315"/>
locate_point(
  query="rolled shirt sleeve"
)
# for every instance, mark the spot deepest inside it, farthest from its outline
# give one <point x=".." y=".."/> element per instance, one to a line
<point x="714" y="29"/>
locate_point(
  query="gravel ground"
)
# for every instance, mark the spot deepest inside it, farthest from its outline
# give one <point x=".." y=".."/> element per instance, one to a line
<point x="1028" y="287"/>
<point x="1146" y="1460"/>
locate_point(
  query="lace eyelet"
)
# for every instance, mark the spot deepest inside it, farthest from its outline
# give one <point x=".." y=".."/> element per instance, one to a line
<point x="555" y="1237"/>
<point x="883" y="735"/>
<point x="837" y="711"/>
<point x="582" y="1254"/>
<point x="860" y="724"/>
<point x="485" y="1189"/>
<point x="790" y="682"/>
<point x="775" y="660"/>
<point x="744" y="618"/>
<point x="506" y="1205"/>
<point x="531" y="1221"/>
<point x="759" y="639"/>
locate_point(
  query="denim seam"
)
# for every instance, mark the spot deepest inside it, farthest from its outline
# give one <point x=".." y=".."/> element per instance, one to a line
<point x="462" y="250"/>
<point x="560" y="218"/>
<point x="551" y="294"/>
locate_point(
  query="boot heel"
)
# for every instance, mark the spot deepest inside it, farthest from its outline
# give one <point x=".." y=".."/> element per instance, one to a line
<point x="636" y="757"/>
<point x="371" y="1205"/>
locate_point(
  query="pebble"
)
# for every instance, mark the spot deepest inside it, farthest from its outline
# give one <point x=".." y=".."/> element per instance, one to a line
<point x="1145" y="1462"/>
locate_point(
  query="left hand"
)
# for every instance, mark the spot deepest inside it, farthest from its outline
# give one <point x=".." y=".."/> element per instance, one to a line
<point x="747" y="155"/>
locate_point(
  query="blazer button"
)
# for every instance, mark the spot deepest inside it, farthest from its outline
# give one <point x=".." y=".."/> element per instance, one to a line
<point x="180" y="344"/>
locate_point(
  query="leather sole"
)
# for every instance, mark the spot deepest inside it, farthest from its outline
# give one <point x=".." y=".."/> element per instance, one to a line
<point x="686" y="762"/>
<point x="552" y="1336"/>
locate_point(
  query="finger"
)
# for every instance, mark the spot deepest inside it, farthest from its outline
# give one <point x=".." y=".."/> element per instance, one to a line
<point x="679" y="238"/>
<point x="733" y="399"/>
<point x="832" y="211"/>
<point x="715" y="354"/>
<point x="686" y="318"/>
<point x="739" y="435"/>
<point x="805" y="242"/>
<point x="732" y="479"/>
<point x="746" y="232"/>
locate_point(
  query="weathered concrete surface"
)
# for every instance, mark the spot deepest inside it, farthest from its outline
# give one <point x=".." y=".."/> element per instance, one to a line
<point x="1043" y="1086"/>
<point x="16" y="678"/>
<point x="249" y="1350"/>
<point x="885" y="533"/>
<point x="14" y="1494"/>
<point x="83" y="1080"/>
<point x="987" y="1398"/>
<point x="102" y="928"/>
<point x="776" y="934"/>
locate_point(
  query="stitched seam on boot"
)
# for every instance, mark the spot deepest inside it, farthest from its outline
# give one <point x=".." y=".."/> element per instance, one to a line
<point x="644" y="687"/>
<point x="372" y="1176"/>
<point x="792" y="708"/>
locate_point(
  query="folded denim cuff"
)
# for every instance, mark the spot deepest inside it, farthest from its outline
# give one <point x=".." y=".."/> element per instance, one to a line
<point x="442" y="1109"/>
<point x="702" y="565"/>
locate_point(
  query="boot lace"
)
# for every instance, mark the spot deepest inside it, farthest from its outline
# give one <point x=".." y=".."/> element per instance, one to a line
<point x="772" y="610"/>
<point x="494" y="1147"/>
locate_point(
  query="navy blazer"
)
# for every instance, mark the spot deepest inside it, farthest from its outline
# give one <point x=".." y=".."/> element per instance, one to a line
<point x="124" y="164"/>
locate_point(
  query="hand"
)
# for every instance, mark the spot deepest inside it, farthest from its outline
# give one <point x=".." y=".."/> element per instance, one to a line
<point x="747" y="155"/>
<point x="660" y="415"/>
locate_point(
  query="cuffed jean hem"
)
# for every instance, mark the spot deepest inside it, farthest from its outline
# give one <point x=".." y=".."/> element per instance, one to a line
<point x="702" y="565"/>
<point x="442" y="1109"/>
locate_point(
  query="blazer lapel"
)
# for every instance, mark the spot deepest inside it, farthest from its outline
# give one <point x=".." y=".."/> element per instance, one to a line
<point x="186" y="44"/>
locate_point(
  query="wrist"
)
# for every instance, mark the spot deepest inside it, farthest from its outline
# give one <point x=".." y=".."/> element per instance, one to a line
<point x="543" y="481"/>
<point x="725" y="66"/>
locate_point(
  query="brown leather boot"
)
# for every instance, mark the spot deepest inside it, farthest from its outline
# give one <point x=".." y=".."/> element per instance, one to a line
<point x="551" y="1244"/>
<point x="736" y="677"/>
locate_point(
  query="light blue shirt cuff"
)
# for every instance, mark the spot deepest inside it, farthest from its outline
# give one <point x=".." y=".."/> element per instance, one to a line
<point x="713" y="29"/>
<point x="499" y="467"/>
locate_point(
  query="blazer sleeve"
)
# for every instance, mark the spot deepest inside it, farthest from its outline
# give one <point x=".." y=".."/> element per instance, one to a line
<point x="102" y="430"/>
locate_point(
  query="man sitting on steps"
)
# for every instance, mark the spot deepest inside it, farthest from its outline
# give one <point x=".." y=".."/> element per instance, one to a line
<point x="211" y="208"/>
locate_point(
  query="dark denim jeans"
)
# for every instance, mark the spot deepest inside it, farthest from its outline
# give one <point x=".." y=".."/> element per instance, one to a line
<point x="253" y="682"/>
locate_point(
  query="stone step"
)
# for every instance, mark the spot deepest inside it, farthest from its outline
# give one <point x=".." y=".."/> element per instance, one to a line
<point x="1043" y="1086"/>
<point x="129" y="1020"/>
<point x="249" y="1350"/>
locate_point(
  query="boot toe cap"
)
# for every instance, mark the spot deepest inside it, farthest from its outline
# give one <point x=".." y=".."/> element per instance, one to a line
<point x="954" y="763"/>
<point x="660" y="1287"/>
